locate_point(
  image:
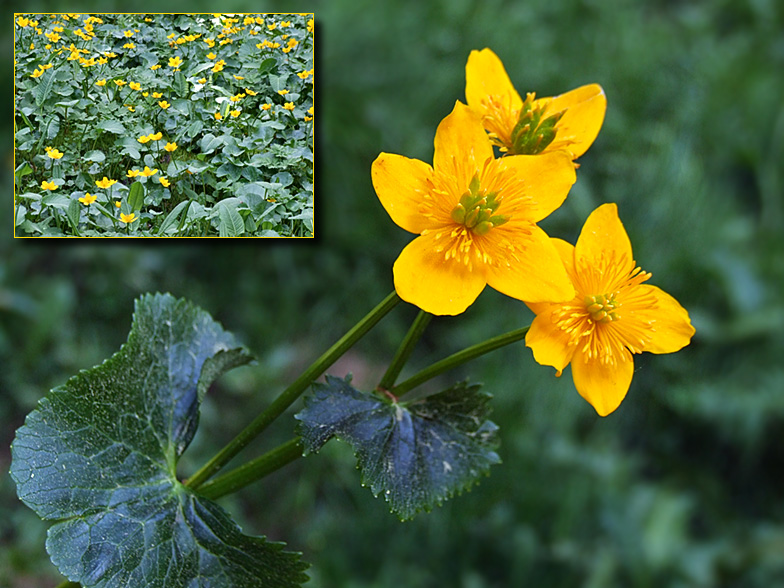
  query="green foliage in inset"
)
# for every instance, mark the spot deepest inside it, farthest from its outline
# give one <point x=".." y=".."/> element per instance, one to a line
<point x="416" y="453"/>
<point x="99" y="457"/>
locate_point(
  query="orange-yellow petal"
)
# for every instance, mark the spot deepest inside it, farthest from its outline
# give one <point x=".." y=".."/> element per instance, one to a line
<point x="549" y="343"/>
<point x="535" y="273"/>
<point x="603" y="235"/>
<point x="461" y="135"/>
<point x="486" y="76"/>
<point x="672" y="327"/>
<point x="400" y="183"/>
<point x="438" y="286"/>
<point x="548" y="178"/>
<point x="585" y="107"/>
<point x="566" y="253"/>
<point x="603" y="385"/>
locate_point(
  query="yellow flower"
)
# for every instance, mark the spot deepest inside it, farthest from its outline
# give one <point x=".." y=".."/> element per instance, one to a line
<point x="164" y="182"/>
<point x="163" y="104"/>
<point x="155" y="66"/>
<point x="54" y="153"/>
<point x="88" y="199"/>
<point x="48" y="185"/>
<point x="289" y="106"/>
<point x="570" y="121"/>
<point x="37" y="73"/>
<point x="202" y="80"/>
<point x="218" y="66"/>
<point x="156" y="94"/>
<point x="211" y="55"/>
<point x="155" y="136"/>
<point x="148" y="172"/>
<point x="612" y="316"/>
<point x="127" y="218"/>
<point x="218" y="116"/>
<point x="238" y="77"/>
<point x="117" y="203"/>
<point x="266" y="106"/>
<point x="22" y="21"/>
<point x="476" y="219"/>
<point x="310" y="25"/>
<point x="129" y="46"/>
<point x="250" y="92"/>
<point x="235" y="113"/>
<point x="175" y="61"/>
<point x="100" y="83"/>
<point x="128" y="33"/>
<point x="145" y="94"/>
<point x="303" y="75"/>
<point x="283" y="92"/>
<point x="170" y="147"/>
<point x="132" y="173"/>
<point x="105" y="183"/>
<point x="135" y="86"/>
<point x="119" y="82"/>
<point x="143" y="139"/>
<point x="310" y="111"/>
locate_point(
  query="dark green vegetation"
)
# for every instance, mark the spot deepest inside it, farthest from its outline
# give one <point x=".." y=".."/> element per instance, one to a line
<point x="218" y="109"/>
<point x="681" y="486"/>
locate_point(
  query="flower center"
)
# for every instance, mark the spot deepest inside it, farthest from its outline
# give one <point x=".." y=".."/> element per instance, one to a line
<point x="476" y="209"/>
<point x="602" y="308"/>
<point x="534" y="131"/>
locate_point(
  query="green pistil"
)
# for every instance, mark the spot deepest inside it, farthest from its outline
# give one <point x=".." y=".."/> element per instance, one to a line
<point x="533" y="131"/>
<point x="602" y="308"/>
<point x="476" y="209"/>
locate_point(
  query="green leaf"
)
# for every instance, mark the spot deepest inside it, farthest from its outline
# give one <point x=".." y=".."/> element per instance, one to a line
<point x="171" y="219"/>
<point x="99" y="455"/>
<point x="136" y="197"/>
<point x="96" y="156"/>
<point x="267" y="65"/>
<point x="210" y="143"/>
<point x="73" y="213"/>
<point x="418" y="453"/>
<point x="113" y="126"/>
<point x="44" y="88"/>
<point x="231" y="223"/>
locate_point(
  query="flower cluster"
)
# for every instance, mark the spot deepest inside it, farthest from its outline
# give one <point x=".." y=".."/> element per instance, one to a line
<point x="476" y="218"/>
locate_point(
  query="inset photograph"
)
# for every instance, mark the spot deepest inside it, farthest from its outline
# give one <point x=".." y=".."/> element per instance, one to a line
<point x="163" y="125"/>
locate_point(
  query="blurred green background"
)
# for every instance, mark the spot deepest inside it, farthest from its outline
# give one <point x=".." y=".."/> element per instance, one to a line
<point x="681" y="486"/>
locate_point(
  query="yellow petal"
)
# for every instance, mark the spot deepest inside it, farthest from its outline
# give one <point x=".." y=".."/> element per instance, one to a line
<point x="485" y="75"/>
<point x="400" y="184"/>
<point x="536" y="275"/>
<point x="585" y="107"/>
<point x="461" y="135"/>
<point x="549" y="343"/>
<point x="604" y="235"/>
<point x="548" y="178"/>
<point x="603" y="386"/>
<point x="437" y="286"/>
<point x="672" y="327"/>
<point x="566" y="253"/>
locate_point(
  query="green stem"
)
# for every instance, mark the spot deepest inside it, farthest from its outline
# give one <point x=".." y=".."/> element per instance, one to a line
<point x="294" y="391"/>
<point x="459" y="358"/>
<point x="405" y="349"/>
<point x="253" y="470"/>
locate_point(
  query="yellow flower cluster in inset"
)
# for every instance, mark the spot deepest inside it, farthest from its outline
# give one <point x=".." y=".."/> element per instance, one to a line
<point x="175" y="61"/>
<point x="53" y="153"/>
<point x="235" y="113"/>
<point x="128" y="218"/>
<point x="218" y="66"/>
<point x="48" y="185"/>
<point x="105" y="183"/>
<point x="250" y="92"/>
<point x="266" y="106"/>
<point x="170" y="147"/>
<point x="120" y="82"/>
<point x="163" y="104"/>
<point x="289" y="106"/>
<point x="135" y="86"/>
<point x="88" y="199"/>
<point x="164" y="182"/>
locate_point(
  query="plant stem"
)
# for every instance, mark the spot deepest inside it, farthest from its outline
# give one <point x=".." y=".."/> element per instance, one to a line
<point x="405" y="349"/>
<point x="253" y="470"/>
<point x="459" y="358"/>
<point x="294" y="391"/>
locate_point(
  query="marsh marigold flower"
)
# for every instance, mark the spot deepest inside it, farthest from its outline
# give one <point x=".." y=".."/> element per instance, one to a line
<point x="105" y="183"/>
<point x="88" y="199"/>
<point x="570" y="121"/>
<point x="100" y="83"/>
<point x="163" y="104"/>
<point x="289" y="106"/>
<point x="48" y="185"/>
<point x="476" y="219"/>
<point x="54" y="153"/>
<point x="164" y="182"/>
<point x="170" y="147"/>
<point x="175" y="61"/>
<point x="612" y="315"/>
<point x="147" y="172"/>
<point x="127" y="218"/>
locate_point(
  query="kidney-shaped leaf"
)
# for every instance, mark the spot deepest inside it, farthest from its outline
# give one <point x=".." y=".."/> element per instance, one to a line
<point x="99" y="456"/>
<point x="419" y="453"/>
